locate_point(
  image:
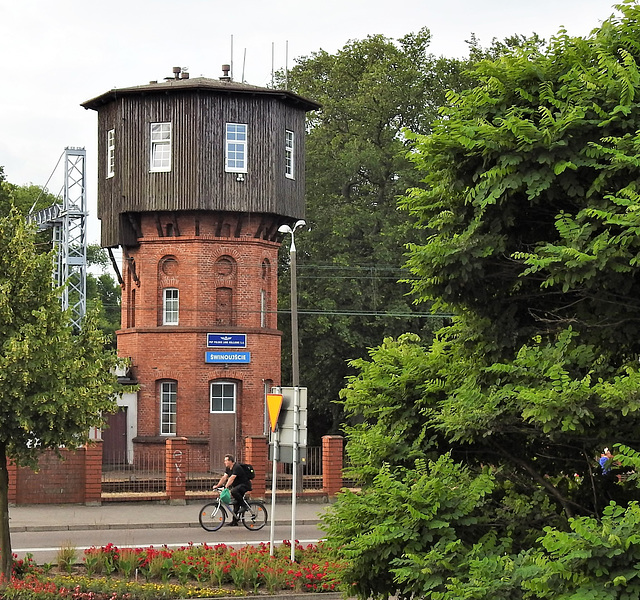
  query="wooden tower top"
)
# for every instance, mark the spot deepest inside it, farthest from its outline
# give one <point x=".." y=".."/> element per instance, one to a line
<point x="197" y="145"/>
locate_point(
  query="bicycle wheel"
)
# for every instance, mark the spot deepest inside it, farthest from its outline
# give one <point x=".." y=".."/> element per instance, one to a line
<point x="255" y="517"/>
<point x="212" y="516"/>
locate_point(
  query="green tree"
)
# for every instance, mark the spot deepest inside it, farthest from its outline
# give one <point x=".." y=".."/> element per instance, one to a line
<point x="350" y="259"/>
<point x="26" y="198"/>
<point x="103" y="293"/>
<point x="54" y="385"/>
<point x="530" y="181"/>
<point x="529" y="210"/>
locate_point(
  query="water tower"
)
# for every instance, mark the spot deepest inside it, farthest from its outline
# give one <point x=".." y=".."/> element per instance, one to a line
<point x="195" y="176"/>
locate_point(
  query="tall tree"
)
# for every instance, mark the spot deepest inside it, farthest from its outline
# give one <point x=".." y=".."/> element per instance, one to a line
<point x="103" y="293"/>
<point x="530" y="203"/>
<point x="54" y="385"/>
<point x="350" y="259"/>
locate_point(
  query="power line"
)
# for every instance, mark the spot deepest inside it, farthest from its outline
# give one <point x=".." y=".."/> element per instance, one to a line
<point x="312" y="312"/>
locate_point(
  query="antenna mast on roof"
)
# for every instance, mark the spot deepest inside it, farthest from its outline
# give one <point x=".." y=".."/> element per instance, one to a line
<point x="286" y="65"/>
<point x="272" y="62"/>
<point x="244" y="62"/>
<point x="231" y="61"/>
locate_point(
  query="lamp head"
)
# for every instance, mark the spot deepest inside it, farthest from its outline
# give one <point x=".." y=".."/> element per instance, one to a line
<point x="288" y="229"/>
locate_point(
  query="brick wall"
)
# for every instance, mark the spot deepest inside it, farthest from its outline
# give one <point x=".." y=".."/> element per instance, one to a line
<point x="74" y="479"/>
<point x="332" y="449"/>
<point x="199" y="263"/>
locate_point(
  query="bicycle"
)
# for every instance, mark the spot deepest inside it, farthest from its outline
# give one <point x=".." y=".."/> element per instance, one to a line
<point x="252" y="514"/>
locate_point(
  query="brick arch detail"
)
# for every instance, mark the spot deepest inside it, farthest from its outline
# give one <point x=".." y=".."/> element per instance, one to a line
<point x="165" y="375"/>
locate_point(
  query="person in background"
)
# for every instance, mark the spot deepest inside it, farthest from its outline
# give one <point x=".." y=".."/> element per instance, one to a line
<point x="606" y="461"/>
<point x="237" y="482"/>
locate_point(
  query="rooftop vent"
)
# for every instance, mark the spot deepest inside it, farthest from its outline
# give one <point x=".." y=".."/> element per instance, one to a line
<point x="178" y="73"/>
<point x="225" y="73"/>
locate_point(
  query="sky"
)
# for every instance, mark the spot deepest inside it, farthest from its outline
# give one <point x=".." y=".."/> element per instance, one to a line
<point x="60" y="53"/>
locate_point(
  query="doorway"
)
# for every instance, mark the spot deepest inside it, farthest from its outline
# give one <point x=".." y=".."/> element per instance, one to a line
<point x="222" y="439"/>
<point x="114" y="438"/>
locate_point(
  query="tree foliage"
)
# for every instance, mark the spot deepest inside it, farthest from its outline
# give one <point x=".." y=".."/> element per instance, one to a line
<point x="528" y="212"/>
<point x="26" y="198"/>
<point x="350" y="259"/>
<point x="103" y="293"/>
<point x="54" y="384"/>
<point x="531" y="192"/>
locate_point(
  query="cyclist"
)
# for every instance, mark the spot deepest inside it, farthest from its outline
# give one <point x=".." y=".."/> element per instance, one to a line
<point x="236" y="480"/>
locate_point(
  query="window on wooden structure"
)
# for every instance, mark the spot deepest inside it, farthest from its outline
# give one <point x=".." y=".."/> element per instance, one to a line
<point x="160" y="147"/>
<point x="223" y="397"/>
<point x="168" y="405"/>
<point x="170" y="306"/>
<point x="236" y="148"/>
<point x="289" y="165"/>
<point x="111" y="152"/>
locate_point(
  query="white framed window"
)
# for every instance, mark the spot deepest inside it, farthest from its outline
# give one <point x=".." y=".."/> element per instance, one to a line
<point x="170" y="306"/>
<point x="289" y="164"/>
<point x="168" y="405"/>
<point x="160" y="147"/>
<point x="236" y="148"/>
<point x="223" y="397"/>
<point x="111" y="153"/>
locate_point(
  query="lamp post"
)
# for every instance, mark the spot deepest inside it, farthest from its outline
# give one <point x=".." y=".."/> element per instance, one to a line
<point x="295" y="375"/>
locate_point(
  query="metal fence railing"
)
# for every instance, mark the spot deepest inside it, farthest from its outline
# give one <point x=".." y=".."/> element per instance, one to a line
<point x="146" y="476"/>
<point x="310" y="472"/>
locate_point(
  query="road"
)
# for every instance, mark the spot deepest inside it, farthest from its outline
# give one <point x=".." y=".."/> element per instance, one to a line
<point x="43" y="545"/>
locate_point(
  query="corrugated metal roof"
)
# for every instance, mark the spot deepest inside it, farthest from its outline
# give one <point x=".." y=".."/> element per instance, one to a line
<point x="199" y="83"/>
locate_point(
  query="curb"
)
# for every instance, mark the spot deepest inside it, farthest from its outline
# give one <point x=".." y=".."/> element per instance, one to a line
<point x="283" y="596"/>
<point x="118" y="526"/>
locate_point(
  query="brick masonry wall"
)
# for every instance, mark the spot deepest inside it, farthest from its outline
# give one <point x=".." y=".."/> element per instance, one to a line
<point x="199" y="264"/>
<point x="256" y="453"/>
<point x="332" y="449"/>
<point x="76" y="479"/>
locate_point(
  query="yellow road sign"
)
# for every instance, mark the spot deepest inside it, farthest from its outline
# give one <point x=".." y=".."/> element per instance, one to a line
<point x="274" y="404"/>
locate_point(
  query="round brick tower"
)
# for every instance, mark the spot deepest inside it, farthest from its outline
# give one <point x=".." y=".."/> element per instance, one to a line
<point x="194" y="178"/>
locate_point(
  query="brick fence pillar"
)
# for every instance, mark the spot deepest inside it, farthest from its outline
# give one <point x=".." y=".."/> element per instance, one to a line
<point x="13" y="482"/>
<point x="332" y="464"/>
<point x="256" y="452"/>
<point x="92" y="472"/>
<point x="176" y="469"/>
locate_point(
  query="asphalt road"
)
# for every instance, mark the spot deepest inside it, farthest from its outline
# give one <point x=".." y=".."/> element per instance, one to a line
<point x="43" y="545"/>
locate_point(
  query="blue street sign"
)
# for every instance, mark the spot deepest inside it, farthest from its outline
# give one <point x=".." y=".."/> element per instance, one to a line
<point x="226" y="340"/>
<point x="227" y="356"/>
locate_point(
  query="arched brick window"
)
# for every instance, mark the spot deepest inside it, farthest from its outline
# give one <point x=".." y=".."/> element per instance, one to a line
<point x="224" y="306"/>
<point x="168" y="395"/>
<point x="168" y="291"/>
<point x="265" y="294"/>
<point x="226" y="271"/>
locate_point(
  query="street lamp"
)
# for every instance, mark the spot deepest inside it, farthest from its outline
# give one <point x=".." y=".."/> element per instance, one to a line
<point x="295" y="375"/>
<point x="295" y="372"/>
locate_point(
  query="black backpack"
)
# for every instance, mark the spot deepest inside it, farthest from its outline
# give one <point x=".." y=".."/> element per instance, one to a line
<point x="249" y="470"/>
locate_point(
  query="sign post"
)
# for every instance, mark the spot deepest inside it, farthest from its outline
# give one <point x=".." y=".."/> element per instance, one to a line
<point x="274" y="404"/>
<point x="295" y="376"/>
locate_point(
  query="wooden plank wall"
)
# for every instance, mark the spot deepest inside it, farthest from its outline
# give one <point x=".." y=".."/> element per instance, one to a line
<point x="197" y="180"/>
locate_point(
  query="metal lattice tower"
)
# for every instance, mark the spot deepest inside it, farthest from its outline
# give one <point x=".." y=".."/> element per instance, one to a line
<point x="68" y="222"/>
